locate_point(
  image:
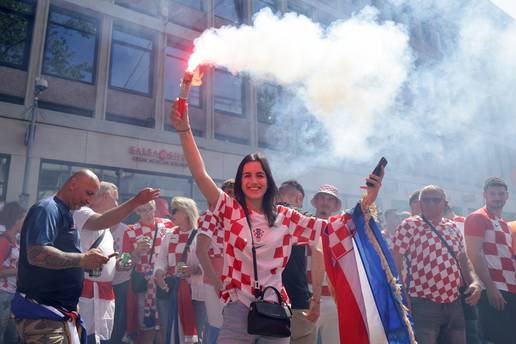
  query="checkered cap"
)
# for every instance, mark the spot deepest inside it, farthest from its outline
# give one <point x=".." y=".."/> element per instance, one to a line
<point x="330" y="190"/>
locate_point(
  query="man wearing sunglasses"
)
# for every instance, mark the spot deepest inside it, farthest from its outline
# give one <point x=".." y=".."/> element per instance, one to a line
<point x="434" y="273"/>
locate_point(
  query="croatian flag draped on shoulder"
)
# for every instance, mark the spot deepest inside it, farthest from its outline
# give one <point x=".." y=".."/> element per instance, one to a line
<point x="370" y="301"/>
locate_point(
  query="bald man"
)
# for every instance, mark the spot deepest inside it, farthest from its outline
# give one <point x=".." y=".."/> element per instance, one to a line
<point x="50" y="271"/>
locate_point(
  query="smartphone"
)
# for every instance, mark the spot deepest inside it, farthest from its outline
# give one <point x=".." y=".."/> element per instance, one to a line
<point x="378" y="169"/>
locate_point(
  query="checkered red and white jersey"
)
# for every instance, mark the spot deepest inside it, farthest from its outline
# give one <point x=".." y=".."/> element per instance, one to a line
<point x="11" y="252"/>
<point x="171" y="250"/>
<point x="212" y="226"/>
<point x="273" y="247"/>
<point x="496" y="247"/>
<point x="139" y="230"/>
<point x="433" y="272"/>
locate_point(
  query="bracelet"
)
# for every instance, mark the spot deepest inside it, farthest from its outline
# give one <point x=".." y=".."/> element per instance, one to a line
<point x="185" y="130"/>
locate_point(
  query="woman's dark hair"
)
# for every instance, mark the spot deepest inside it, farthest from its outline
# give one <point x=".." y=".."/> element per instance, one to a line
<point x="270" y="194"/>
<point x="10" y="214"/>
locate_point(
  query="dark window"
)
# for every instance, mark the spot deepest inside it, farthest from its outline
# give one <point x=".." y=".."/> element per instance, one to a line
<point x="231" y="10"/>
<point x="175" y="66"/>
<point x="259" y="4"/>
<point x="53" y="174"/>
<point x="150" y="7"/>
<point x="300" y="8"/>
<point x="228" y="92"/>
<point x="70" y="46"/>
<point x="195" y="4"/>
<point x="267" y="95"/>
<point x="131" y="57"/>
<point x="4" y="174"/>
<point x="16" y="22"/>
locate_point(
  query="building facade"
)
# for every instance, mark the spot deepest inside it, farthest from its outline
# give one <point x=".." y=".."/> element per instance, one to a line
<point x="113" y="68"/>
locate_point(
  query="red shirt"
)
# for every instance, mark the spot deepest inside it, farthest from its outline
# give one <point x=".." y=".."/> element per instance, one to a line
<point x="497" y="247"/>
<point x="433" y="272"/>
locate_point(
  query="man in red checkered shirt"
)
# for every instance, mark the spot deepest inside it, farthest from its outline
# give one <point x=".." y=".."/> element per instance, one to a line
<point x="489" y="242"/>
<point x="434" y="275"/>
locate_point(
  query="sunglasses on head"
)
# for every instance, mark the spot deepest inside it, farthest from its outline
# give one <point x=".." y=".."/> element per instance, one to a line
<point x="434" y="200"/>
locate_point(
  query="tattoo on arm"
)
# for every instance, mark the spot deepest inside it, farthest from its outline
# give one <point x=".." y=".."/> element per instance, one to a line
<point x="51" y="258"/>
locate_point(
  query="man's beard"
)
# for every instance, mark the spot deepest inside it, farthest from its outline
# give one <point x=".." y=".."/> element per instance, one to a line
<point x="496" y="205"/>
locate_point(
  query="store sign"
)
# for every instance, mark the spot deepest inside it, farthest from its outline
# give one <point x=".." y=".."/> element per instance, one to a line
<point x="157" y="156"/>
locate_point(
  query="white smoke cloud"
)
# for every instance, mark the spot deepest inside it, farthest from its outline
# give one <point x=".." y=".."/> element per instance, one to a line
<point x="448" y="117"/>
<point x="346" y="75"/>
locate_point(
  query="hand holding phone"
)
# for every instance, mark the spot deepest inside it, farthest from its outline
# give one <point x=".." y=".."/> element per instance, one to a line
<point x="378" y="169"/>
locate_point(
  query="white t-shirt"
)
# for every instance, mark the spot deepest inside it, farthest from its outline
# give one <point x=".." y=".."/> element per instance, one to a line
<point x="88" y="237"/>
<point x="118" y="232"/>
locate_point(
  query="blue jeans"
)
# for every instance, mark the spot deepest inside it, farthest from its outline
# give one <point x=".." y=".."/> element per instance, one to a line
<point x="120" y="322"/>
<point x="8" y="333"/>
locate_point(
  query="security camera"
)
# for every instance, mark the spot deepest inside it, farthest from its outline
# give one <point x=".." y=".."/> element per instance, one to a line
<point x="40" y="85"/>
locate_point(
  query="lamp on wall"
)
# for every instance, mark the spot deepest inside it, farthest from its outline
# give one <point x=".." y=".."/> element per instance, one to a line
<point x="40" y="85"/>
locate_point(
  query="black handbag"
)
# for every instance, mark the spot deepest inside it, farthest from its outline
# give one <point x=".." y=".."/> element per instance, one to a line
<point x="138" y="280"/>
<point x="271" y="319"/>
<point x="162" y="294"/>
<point x="470" y="312"/>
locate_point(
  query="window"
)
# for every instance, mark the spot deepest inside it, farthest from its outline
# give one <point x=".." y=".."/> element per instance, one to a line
<point x="260" y="4"/>
<point x="4" y="174"/>
<point x="195" y="4"/>
<point x="175" y="66"/>
<point x="70" y="46"/>
<point x="131" y="57"/>
<point x="53" y="174"/>
<point x="266" y="97"/>
<point x="232" y="10"/>
<point x="300" y="8"/>
<point x="228" y="93"/>
<point x="150" y="7"/>
<point x="16" y="22"/>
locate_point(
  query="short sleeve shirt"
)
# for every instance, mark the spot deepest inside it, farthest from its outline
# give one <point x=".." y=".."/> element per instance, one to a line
<point x="433" y="272"/>
<point x="140" y="230"/>
<point x="88" y="237"/>
<point x="496" y="247"/>
<point x="273" y="247"/>
<point x="171" y="250"/>
<point x="213" y="227"/>
<point x="49" y="222"/>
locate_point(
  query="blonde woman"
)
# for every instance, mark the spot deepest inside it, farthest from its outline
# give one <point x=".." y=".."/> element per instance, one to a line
<point x="174" y="273"/>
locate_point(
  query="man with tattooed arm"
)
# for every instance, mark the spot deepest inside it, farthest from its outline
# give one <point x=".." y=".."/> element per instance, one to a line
<point x="51" y="265"/>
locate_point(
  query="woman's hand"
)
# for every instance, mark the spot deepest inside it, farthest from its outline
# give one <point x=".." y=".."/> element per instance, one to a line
<point x="181" y="122"/>
<point x="159" y="277"/>
<point x="372" y="191"/>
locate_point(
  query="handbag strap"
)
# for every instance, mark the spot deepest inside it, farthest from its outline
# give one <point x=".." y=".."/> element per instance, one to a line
<point x="276" y="291"/>
<point x="256" y="287"/>
<point x="153" y="242"/>
<point x="184" y="255"/>
<point x="448" y="247"/>
<point x="97" y="241"/>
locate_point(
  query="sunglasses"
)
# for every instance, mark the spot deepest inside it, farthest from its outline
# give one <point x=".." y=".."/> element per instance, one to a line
<point x="434" y="200"/>
<point x="173" y="211"/>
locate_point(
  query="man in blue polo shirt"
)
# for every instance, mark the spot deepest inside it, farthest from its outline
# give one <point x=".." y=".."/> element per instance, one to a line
<point x="50" y="271"/>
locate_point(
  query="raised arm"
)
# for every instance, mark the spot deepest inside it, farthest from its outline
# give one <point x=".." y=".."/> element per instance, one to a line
<point x="117" y="214"/>
<point x="193" y="156"/>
